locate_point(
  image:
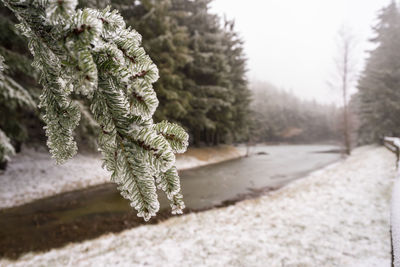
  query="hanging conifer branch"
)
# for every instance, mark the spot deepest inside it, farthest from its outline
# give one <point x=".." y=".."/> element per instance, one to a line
<point x="93" y="53"/>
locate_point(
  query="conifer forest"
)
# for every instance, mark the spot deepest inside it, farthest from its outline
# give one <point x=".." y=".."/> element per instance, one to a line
<point x="199" y="133"/>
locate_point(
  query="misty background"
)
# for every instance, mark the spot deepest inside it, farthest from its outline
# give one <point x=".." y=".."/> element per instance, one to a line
<point x="291" y="44"/>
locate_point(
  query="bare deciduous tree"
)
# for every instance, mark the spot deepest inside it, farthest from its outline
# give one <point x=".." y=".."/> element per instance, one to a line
<point x="345" y="75"/>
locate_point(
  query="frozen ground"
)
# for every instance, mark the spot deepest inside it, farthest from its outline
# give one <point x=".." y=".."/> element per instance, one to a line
<point x="32" y="174"/>
<point x="338" y="216"/>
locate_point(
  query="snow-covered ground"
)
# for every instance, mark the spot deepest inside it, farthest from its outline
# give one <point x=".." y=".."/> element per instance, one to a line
<point x="395" y="221"/>
<point x="338" y="216"/>
<point x="32" y="174"/>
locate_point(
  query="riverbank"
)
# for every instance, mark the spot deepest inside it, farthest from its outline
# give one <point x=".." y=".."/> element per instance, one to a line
<point x="338" y="216"/>
<point x="202" y="156"/>
<point x="32" y="174"/>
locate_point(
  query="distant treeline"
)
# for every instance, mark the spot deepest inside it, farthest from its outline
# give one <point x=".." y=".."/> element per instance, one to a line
<point x="200" y="57"/>
<point x="279" y="116"/>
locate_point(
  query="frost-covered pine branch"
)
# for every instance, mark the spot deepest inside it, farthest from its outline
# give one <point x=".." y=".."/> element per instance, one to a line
<point x="93" y="53"/>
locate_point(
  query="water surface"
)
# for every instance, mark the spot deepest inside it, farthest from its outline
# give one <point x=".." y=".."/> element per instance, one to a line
<point x="208" y="186"/>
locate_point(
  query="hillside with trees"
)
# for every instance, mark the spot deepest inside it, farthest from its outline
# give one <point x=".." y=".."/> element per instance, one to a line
<point x="279" y="116"/>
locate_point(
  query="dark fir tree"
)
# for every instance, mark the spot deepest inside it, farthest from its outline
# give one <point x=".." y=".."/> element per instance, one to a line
<point x="211" y="115"/>
<point x="13" y="98"/>
<point x="19" y="90"/>
<point x="239" y="84"/>
<point x="202" y="81"/>
<point x="379" y="85"/>
<point x="167" y="44"/>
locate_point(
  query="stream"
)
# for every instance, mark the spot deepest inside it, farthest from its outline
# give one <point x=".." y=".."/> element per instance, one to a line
<point x="84" y="214"/>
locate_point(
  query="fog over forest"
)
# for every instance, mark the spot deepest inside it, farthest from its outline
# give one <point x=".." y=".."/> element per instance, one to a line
<point x="291" y="44"/>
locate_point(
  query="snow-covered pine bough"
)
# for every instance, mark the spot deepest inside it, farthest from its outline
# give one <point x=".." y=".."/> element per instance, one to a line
<point x="91" y="52"/>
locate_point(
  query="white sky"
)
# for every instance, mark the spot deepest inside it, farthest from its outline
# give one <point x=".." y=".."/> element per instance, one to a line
<point x="291" y="43"/>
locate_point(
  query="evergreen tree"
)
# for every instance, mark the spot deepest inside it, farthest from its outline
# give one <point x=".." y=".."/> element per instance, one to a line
<point x="91" y="52"/>
<point x="202" y="67"/>
<point x="207" y="75"/>
<point x="167" y="44"/>
<point x="15" y="51"/>
<point x="379" y="85"/>
<point x="14" y="99"/>
<point x="239" y="84"/>
<point x="6" y="149"/>
<point x="18" y="91"/>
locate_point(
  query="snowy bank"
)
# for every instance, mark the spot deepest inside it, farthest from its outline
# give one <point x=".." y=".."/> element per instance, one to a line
<point x="395" y="221"/>
<point x="197" y="157"/>
<point x="335" y="217"/>
<point x="32" y="174"/>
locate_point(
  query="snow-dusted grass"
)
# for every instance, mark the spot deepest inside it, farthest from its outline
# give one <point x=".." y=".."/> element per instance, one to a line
<point x="335" y="217"/>
<point x="32" y="174"/>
